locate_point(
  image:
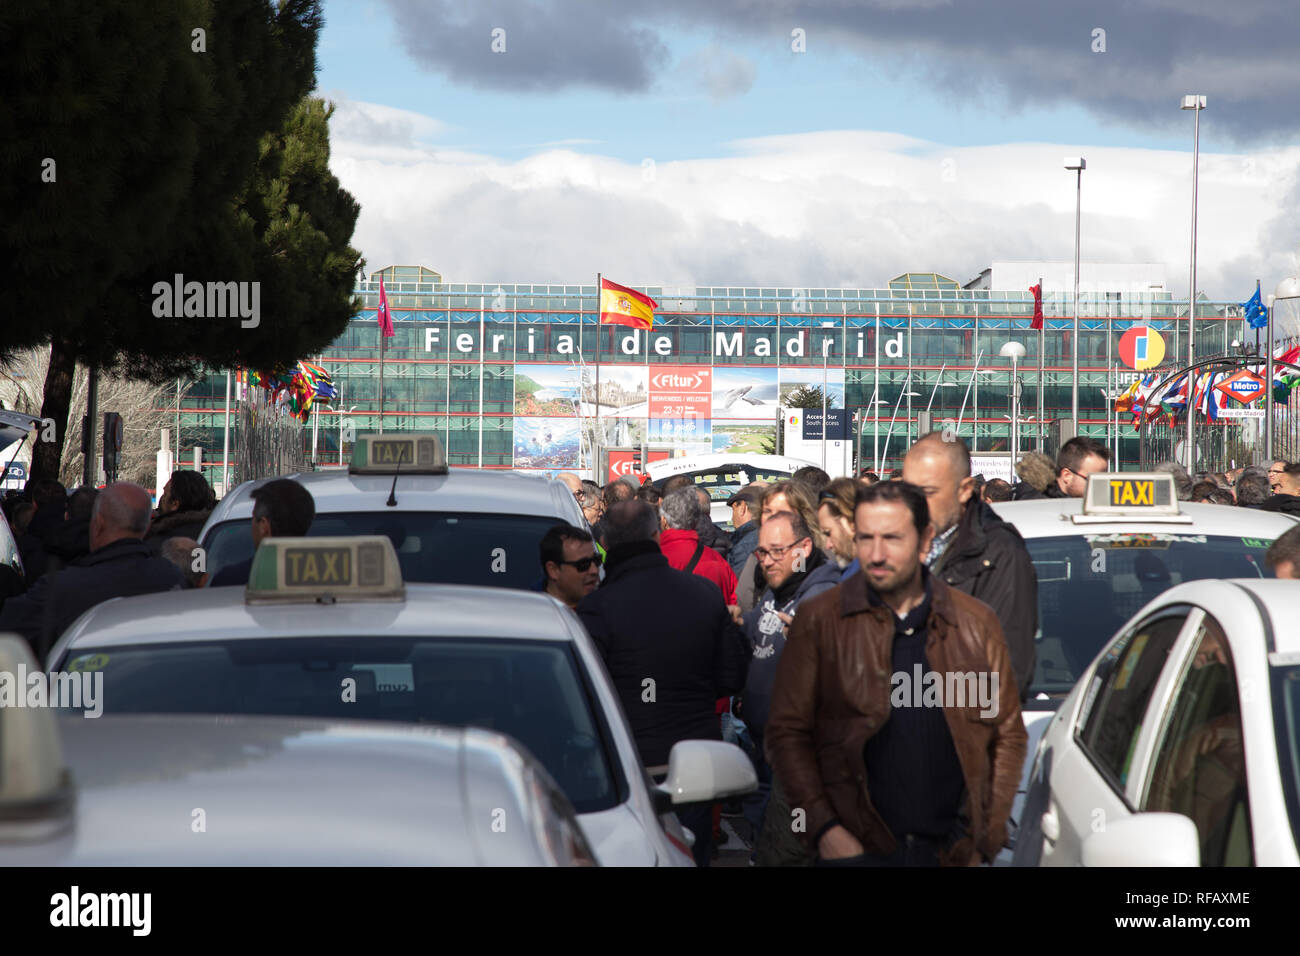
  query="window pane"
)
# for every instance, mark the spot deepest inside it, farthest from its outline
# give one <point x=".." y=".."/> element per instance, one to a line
<point x="1200" y="766"/>
<point x="1121" y="688"/>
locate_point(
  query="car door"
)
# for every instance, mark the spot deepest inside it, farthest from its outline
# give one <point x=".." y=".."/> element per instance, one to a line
<point x="1090" y="772"/>
<point x="1198" y="765"/>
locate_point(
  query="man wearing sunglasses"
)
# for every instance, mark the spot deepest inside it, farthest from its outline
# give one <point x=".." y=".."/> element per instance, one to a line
<point x="570" y="564"/>
<point x="1079" y="457"/>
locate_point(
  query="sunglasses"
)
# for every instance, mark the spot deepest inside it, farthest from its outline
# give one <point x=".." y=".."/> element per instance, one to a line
<point x="582" y="564"/>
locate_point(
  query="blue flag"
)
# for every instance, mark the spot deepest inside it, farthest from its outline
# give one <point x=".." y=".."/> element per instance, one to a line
<point x="1256" y="314"/>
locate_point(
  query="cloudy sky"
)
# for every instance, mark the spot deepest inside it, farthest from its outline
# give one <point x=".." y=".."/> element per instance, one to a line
<point x="829" y="143"/>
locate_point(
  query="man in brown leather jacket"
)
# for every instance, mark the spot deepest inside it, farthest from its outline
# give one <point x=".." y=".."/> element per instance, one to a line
<point x="895" y="721"/>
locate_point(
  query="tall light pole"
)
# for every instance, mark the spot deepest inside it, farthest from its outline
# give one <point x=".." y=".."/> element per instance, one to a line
<point x="826" y="344"/>
<point x="1196" y="103"/>
<point x="1014" y="351"/>
<point x="1078" y="164"/>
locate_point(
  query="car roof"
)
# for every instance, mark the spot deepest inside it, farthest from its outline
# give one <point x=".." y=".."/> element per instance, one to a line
<point x="460" y="490"/>
<point x="681" y="466"/>
<point x="1280" y="599"/>
<point x="1049" y="518"/>
<point x="282" y="791"/>
<point x="429" y="610"/>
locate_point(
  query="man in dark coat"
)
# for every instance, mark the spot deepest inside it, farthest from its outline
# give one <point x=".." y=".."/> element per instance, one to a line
<point x="974" y="550"/>
<point x="51" y="501"/>
<point x="669" y="644"/>
<point x="183" y="508"/>
<point x="282" y="508"/>
<point x="119" y="564"/>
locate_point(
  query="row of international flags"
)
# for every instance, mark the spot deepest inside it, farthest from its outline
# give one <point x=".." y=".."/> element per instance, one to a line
<point x="297" y="387"/>
<point x="1210" y="392"/>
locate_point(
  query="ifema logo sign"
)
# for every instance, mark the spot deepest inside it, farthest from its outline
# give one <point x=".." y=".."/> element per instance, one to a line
<point x="1141" y="348"/>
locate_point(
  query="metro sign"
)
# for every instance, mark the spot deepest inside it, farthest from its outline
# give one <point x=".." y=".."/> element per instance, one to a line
<point x="1244" y="386"/>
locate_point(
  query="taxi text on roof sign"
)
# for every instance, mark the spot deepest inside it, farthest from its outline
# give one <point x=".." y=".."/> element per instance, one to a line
<point x="417" y="453"/>
<point x="1144" y="497"/>
<point x="361" y="568"/>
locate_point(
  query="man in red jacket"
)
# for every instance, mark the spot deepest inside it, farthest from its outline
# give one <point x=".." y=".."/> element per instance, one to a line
<point x="681" y="545"/>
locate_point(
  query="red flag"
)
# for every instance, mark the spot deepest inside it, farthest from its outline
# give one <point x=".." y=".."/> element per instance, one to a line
<point x="385" y="317"/>
<point x="1037" y="290"/>
<point x="620" y="305"/>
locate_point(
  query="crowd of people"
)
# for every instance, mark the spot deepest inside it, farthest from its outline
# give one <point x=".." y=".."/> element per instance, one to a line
<point x="786" y="635"/>
<point x="832" y="588"/>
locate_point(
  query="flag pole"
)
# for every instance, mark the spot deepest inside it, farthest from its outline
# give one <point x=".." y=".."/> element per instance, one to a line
<point x="1268" y="389"/>
<point x="379" y="322"/>
<point x="1042" y="342"/>
<point x="598" y="437"/>
<point x="225" y="444"/>
<point x="1257" y="330"/>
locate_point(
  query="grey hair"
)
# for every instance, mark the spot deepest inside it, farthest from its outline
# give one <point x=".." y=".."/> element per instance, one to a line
<point x="113" y="505"/>
<point x="681" y="508"/>
<point x="1182" y="482"/>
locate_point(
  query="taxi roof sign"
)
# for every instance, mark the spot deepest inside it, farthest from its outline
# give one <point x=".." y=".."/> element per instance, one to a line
<point x="325" y="570"/>
<point x="410" y="453"/>
<point x="1143" y="496"/>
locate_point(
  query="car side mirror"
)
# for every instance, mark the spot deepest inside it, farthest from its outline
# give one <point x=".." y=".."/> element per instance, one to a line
<point x="1145" y="839"/>
<point x="701" y="771"/>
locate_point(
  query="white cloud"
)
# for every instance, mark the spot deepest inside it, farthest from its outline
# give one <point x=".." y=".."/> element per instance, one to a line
<point x="834" y="208"/>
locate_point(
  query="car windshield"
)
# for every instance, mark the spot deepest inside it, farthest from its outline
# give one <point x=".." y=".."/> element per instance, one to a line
<point x="496" y="550"/>
<point x="1286" y="699"/>
<point x="1089" y="585"/>
<point x="531" y="690"/>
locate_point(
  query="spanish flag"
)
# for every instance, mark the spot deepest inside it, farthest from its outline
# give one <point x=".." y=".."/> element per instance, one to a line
<point x="620" y="305"/>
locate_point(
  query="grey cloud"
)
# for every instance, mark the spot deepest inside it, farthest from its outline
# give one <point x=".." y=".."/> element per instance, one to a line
<point x="719" y="72"/>
<point x="1240" y="53"/>
<point x="549" y="44"/>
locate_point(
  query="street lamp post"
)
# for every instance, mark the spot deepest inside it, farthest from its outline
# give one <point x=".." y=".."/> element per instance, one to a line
<point x="826" y="344"/>
<point x="1078" y="164"/>
<point x="341" y="414"/>
<point x="1014" y="351"/>
<point x="1196" y="103"/>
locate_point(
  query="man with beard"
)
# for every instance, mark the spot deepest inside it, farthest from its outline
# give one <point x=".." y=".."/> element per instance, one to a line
<point x="883" y="777"/>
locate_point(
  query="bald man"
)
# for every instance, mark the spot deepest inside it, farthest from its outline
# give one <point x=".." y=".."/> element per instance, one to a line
<point x="974" y="550"/>
<point x="571" y="481"/>
<point x="119" y="564"/>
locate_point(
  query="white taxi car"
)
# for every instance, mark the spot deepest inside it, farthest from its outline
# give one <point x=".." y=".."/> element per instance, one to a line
<point x="1102" y="557"/>
<point x="722" y="475"/>
<point x="252" y="791"/>
<point x="327" y="628"/>
<point x="449" y="525"/>
<point x="1180" y="745"/>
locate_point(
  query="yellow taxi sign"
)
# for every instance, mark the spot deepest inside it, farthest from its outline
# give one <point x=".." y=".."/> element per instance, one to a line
<point x="412" y="453"/>
<point x="359" y="568"/>
<point x="1149" y="495"/>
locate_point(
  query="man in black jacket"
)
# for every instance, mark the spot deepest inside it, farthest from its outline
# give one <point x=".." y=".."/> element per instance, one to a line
<point x="974" y="550"/>
<point x="669" y="644"/>
<point x="119" y="564"/>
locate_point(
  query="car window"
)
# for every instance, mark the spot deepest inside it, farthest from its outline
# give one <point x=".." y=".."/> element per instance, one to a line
<point x="496" y="550"/>
<point x="1089" y="585"/>
<point x="1117" y="697"/>
<point x="531" y="690"/>
<point x="1200" y="763"/>
<point x="722" y="483"/>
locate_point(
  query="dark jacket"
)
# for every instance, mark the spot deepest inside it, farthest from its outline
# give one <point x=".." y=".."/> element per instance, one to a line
<point x="743" y="542"/>
<point x="764" y="631"/>
<point x="651" y="622"/>
<point x="1054" y="491"/>
<point x="67" y="543"/>
<point x="32" y="544"/>
<point x="832" y="694"/>
<point x="237" y="575"/>
<point x="1024" y="491"/>
<point x="122" y="569"/>
<point x="713" y="536"/>
<point x="1287" y="504"/>
<point x="178" y="524"/>
<point x="988" y="560"/>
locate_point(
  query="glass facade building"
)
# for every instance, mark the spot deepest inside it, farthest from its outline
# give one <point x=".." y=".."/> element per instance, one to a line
<point x="507" y="372"/>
